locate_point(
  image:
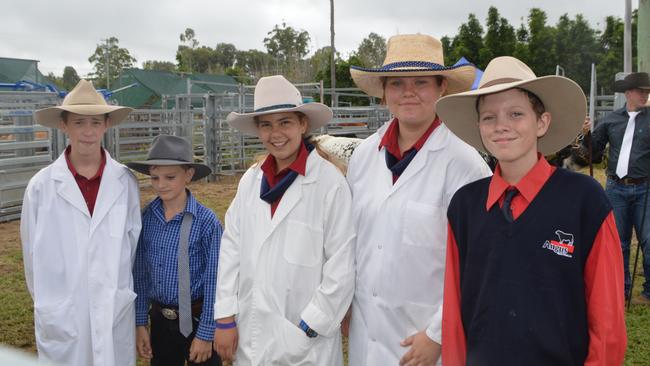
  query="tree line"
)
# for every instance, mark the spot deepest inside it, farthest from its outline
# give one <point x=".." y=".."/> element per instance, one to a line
<point x="571" y="43"/>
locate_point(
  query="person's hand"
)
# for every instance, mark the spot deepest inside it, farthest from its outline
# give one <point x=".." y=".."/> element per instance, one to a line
<point x="423" y="350"/>
<point x="143" y="342"/>
<point x="225" y="340"/>
<point x="586" y="126"/>
<point x="345" y="323"/>
<point x="200" y="350"/>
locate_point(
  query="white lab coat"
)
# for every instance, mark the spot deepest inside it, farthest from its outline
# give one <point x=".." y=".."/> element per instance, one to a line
<point x="79" y="268"/>
<point x="401" y="242"/>
<point x="273" y="272"/>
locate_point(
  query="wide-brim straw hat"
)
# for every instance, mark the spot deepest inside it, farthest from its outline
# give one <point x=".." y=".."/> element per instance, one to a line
<point x="82" y="99"/>
<point x="275" y="94"/>
<point x="170" y="150"/>
<point x="413" y="55"/>
<point x="632" y="81"/>
<point x="562" y="98"/>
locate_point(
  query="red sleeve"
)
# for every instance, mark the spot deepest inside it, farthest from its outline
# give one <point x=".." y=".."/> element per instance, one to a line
<point x="453" y="334"/>
<point x="605" y="301"/>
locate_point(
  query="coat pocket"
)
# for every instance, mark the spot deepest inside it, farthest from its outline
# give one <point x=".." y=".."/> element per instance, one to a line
<point x="124" y="303"/>
<point x="424" y="225"/>
<point x="56" y="330"/>
<point x="303" y="244"/>
<point x="292" y="347"/>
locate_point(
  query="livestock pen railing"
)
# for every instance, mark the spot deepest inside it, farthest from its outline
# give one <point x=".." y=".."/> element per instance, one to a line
<point x="26" y="147"/>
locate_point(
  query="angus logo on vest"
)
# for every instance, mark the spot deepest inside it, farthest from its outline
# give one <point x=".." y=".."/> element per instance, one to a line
<point x="563" y="246"/>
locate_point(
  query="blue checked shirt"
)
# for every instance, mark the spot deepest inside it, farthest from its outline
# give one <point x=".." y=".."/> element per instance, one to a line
<point x="155" y="271"/>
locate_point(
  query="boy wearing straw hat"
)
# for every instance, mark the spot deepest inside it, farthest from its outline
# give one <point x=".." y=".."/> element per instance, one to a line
<point x="534" y="270"/>
<point x="402" y="178"/>
<point x="79" y="229"/>
<point x="175" y="271"/>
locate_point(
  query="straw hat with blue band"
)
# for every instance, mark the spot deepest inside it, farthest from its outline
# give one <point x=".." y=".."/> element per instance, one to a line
<point x="561" y="96"/>
<point x="275" y="94"/>
<point x="413" y="55"/>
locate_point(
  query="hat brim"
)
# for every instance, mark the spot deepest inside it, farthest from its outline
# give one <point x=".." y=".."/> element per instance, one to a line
<point x="50" y="117"/>
<point x="319" y="115"/>
<point x="200" y="170"/>
<point x="562" y="98"/>
<point x="621" y="86"/>
<point x="459" y="78"/>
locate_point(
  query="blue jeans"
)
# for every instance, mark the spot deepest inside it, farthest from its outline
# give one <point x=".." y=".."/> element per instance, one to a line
<point x="628" y="201"/>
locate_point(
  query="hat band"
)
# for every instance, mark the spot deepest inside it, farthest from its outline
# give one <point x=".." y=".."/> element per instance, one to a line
<point x="418" y="64"/>
<point x="499" y="81"/>
<point x="274" y="107"/>
<point x="180" y="160"/>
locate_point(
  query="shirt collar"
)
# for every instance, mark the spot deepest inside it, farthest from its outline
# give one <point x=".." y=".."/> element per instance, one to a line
<point x="191" y="206"/>
<point x="76" y="174"/>
<point x="390" y="138"/>
<point x="299" y="165"/>
<point x="528" y="186"/>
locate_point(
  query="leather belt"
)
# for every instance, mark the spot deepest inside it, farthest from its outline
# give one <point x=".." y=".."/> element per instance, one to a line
<point x="171" y="312"/>
<point x="628" y="181"/>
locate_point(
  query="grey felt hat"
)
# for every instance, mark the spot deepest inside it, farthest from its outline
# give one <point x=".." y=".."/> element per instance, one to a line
<point x="170" y="150"/>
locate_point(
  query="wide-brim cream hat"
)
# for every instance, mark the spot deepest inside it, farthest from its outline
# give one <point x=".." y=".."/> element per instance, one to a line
<point x="82" y="99"/>
<point x="170" y="150"/>
<point x="562" y="98"/>
<point x="275" y="94"/>
<point x="413" y="55"/>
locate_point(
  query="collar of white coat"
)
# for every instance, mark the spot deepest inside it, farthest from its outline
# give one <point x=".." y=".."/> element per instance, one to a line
<point x="437" y="141"/>
<point x="314" y="161"/>
<point x="112" y="169"/>
<point x="109" y="191"/>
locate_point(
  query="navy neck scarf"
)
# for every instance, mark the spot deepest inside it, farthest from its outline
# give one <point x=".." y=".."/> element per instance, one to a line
<point x="398" y="166"/>
<point x="271" y="195"/>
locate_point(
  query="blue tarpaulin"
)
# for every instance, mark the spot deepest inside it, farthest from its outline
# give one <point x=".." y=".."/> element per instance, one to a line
<point x="478" y="74"/>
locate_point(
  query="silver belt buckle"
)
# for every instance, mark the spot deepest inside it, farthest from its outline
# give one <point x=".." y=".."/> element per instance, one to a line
<point x="169" y="314"/>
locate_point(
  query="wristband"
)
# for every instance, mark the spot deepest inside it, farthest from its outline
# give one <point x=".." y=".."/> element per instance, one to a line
<point x="308" y="331"/>
<point x="226" y="325"/>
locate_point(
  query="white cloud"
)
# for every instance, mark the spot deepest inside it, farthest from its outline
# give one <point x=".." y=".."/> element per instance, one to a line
<point x="66" y="32"/>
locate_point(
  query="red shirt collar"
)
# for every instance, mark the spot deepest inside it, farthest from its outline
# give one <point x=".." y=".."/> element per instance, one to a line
<point x="74" y="172"/>
<point x="390" y="138"/>
<point x="528" y="186"/>
<point x="299" y="166"/>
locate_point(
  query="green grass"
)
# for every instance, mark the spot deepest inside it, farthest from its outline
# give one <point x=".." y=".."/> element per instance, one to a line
<point x="16" y="321"/>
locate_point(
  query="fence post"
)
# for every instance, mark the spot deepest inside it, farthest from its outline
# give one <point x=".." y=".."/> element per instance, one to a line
<point x="210" y="136"/>
<point x="184" y="126"/>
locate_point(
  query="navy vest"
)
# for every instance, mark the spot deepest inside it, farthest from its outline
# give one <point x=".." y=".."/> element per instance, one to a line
<point x="522" y="287"/>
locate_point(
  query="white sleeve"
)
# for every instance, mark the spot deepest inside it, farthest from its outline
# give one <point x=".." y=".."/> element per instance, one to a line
<point x="333" y="296"/>
<point x="434" y="330"/>
<point x="134" y="216"/>
<point x="27" y="227"/>
<point x="226" y="302"/>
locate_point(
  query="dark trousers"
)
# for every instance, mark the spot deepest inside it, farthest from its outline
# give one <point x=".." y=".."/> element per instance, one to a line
<point x="170" y="347"/>
<point x="628" y="204"/>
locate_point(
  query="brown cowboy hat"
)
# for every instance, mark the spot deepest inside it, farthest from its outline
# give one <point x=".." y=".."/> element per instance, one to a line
<point x="634" y="80"/>
<point x="413" y="55"/>
<point x="562" y="98"/>
<point x="82" y="99"/>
